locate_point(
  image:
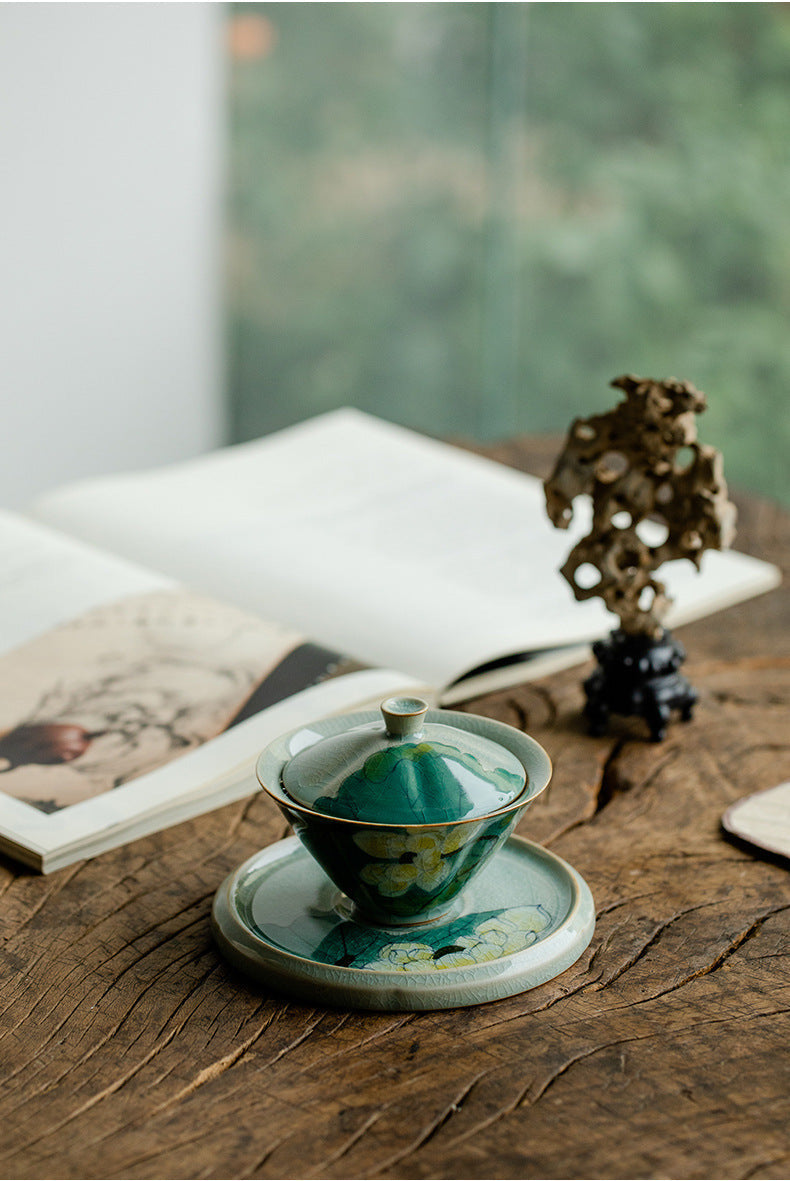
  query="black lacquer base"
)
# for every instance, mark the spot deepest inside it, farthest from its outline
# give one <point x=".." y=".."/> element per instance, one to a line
<point x="638" y="675"/>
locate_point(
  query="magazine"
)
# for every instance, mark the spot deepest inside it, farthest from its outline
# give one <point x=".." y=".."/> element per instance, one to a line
<point x="158" y="629"/>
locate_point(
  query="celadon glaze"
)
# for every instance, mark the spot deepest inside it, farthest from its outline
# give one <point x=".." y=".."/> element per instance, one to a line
<point x="405" y="873"/>
<point x="400" y="874"/>
<point x="402" y="769"/>
<point x="526" y="917"/>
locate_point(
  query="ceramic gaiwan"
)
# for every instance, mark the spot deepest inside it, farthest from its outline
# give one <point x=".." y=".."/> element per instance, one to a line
<point x="400" y="808"/>
<point x="400" y="813"/>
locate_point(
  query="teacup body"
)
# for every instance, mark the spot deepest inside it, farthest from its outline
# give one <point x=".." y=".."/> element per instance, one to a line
<point x="402" y="874"/>
<point x="398" y="875"/>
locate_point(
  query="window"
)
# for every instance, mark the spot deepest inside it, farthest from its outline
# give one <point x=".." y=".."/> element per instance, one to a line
<point x="470" y="217"/>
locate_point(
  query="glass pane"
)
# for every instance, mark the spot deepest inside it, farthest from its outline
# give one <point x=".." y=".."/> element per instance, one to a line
<point x="470" y="217"/>
<point x="358" y="199"/>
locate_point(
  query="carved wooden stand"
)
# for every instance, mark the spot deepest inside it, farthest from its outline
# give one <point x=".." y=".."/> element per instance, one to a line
<point x="638" y="675"/>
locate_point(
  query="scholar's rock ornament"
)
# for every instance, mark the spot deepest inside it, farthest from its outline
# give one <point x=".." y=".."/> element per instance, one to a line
<point x="657" y="495"/>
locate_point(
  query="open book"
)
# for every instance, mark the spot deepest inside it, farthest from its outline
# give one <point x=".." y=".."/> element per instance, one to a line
<point x="158" y="629"/>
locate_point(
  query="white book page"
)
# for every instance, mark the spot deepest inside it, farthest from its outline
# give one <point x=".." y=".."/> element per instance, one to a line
<point x="119" y="691"/>
<point x="389" y="546"/>
<point x="47" y="578"/>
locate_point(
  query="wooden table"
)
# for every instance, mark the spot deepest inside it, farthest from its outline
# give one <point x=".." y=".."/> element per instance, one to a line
<point x="129" y="1049"/>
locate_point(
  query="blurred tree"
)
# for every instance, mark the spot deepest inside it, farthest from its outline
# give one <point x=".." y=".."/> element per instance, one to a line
<point x="469" y="217"/>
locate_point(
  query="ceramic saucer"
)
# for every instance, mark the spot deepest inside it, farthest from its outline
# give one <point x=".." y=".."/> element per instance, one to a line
<point x="281" y="921"/>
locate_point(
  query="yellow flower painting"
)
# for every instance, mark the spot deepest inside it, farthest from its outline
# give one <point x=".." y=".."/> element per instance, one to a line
<point x="409" y="858"/>
<point x="500" y="935"/>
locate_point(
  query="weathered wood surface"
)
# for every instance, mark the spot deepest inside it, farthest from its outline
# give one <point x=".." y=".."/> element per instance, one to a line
<point x="128" y="1048"/>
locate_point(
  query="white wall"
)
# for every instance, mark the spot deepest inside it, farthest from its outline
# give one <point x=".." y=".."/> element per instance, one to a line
<point x="111" y="131"/>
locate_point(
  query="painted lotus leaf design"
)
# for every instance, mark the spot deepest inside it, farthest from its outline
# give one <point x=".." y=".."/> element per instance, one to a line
<point x="470" y="940"/>
<point x="416" y="782"/>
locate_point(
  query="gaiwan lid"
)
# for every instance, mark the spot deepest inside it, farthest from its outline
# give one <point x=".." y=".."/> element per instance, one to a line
<point x="404" y="770"/>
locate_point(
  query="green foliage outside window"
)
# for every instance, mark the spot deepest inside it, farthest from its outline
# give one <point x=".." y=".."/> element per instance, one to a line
<point x="469" y="217"/>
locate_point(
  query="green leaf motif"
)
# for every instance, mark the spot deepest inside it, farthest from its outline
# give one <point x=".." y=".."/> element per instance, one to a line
<point x="416" y="783"/>
<point x="473" y="939"/>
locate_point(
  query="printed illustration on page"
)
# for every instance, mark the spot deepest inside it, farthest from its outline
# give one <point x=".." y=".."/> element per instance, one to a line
<point x="129" y="686"/>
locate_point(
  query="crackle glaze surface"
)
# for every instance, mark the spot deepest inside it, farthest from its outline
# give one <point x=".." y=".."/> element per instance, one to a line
<point x="403" y="768"/>
<point x="423" y="783"/>
<point x="527" y="917"/>
<point x="403" y="873"/>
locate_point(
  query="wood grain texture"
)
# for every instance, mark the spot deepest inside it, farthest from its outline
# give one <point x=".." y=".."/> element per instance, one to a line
<point x="128" y="1048"/>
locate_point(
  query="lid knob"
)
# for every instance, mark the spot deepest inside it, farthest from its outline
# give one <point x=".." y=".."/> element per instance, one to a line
<point x="404" y="716"/>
